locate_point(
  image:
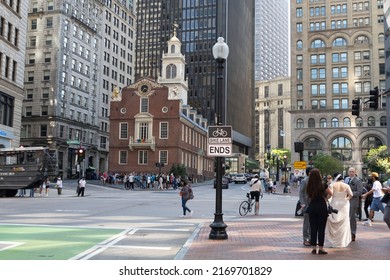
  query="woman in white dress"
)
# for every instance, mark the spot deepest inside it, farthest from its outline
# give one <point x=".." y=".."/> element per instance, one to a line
<point x="338" y="225"/>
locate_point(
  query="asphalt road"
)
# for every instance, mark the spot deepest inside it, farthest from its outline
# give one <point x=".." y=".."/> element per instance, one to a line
<point x="110" y="223"/>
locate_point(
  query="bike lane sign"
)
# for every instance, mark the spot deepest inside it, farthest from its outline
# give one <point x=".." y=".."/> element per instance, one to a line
<point x="219" y="141"/>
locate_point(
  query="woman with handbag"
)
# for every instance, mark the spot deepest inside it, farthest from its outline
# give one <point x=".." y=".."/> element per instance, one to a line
<point x="185" y="196"/>
<point x="317" y="192"/>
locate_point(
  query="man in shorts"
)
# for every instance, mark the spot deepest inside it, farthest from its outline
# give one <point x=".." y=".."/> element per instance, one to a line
<point x="376" y="204"/>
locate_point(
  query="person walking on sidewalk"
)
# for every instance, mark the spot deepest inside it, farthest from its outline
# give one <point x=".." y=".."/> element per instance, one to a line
<point x="376" y="204"/>
<point x="318" y="210"/>
<point x="357" y="189"/>
<point x="185" y="196"/>
<point x="304" y="201"/>
<point x="255" y="192"/>
<point x="386" y="215"/>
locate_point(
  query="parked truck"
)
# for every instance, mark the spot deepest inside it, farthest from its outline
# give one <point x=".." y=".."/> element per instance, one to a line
<point x="25" y="168"/>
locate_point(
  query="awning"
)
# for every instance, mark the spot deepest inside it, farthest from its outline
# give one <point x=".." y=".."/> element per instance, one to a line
<point x="251" y="164"/>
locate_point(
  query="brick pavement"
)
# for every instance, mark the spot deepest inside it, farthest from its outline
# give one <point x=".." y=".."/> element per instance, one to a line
<point x="267" y="237"/>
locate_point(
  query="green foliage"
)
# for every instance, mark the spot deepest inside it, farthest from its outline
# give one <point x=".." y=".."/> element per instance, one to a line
<point x="377" y="160"/>
<point x="327" y="164"/>
<point x="280" y="153"/>
<point x="178" y="170"/>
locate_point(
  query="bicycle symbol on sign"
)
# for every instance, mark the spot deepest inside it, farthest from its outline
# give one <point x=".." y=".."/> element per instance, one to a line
<point x="220" y="133"/>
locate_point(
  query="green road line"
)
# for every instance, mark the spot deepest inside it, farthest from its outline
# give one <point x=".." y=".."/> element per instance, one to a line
<point x="49" y="243"/>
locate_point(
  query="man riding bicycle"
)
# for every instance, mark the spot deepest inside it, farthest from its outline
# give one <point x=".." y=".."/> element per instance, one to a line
<point x="255" y="192"/>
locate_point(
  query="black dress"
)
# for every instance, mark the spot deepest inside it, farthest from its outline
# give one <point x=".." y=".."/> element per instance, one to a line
<point x="318" y="215"/>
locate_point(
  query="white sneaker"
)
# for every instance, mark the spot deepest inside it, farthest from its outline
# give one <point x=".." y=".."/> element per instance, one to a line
<point x="367" y="223"/>
<point x="182" y="216"/>
<point x="191" y="212"/>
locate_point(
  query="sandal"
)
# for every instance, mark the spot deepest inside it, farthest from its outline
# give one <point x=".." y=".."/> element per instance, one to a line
<point x="322" y="252"/>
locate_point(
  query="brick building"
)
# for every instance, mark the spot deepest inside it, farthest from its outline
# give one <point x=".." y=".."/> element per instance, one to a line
<point x="151" y="124"/>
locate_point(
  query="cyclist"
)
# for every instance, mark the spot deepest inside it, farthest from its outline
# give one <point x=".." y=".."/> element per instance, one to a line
<point x="255" y="192"/>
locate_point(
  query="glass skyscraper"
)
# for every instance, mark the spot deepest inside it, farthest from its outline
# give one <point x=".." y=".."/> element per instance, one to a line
<point x="199" y="23"/>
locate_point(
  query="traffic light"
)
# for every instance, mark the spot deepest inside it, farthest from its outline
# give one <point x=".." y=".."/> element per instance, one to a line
<point x="374" y="95"/>
<point x="81" y="153"/>
<point x="356" y="107"/>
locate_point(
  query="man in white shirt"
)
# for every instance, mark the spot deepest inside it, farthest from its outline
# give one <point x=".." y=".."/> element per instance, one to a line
<point x="82" y="184"/>
<point x="376" y="203"/>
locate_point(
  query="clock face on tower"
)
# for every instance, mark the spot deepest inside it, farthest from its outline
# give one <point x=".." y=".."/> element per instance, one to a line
<point x="144" y="88"/>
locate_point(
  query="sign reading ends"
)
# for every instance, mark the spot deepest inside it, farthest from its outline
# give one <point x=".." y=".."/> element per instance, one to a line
<point x="219" y="141"/>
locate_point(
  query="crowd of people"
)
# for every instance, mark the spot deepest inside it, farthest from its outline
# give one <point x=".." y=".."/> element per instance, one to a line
<point x="134" y="180"/>
<point x="330" y="207"/>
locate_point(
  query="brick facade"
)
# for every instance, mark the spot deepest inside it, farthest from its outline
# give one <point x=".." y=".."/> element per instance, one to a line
<point x="185" y="142"/>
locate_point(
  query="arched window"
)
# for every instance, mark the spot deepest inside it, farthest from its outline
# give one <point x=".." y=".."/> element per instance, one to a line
<point x="341" y="148"/>
<point x="311" y="123"/>
<point x="171" y="71"/>
<point x="299" y="45"/>
<point x="335" y="122"/>
<point x="318" y="44"/>
<point x="312" y="146"/>
<point x="300" y="123"/>
<point x="359" y="121"/>
<point x="362" y="40"/>
<point x="383" y="121"/>
<point x="339" y="42"/>
<point x="368" y="143"/>
<point x="323" y="122"/>
<point x="381" y="38"/>
<point x="347" y="122"/>
<point x="173" y="49"/>
<point x="371" y="121"/>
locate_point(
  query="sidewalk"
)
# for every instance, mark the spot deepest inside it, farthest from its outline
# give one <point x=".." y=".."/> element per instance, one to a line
<point x="267" y="237"/>
<point x="279" y="237"/>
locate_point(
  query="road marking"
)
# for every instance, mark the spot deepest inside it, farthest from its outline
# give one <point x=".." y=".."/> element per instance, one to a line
<point x="94" y="250"/>
<point x="183" y="251"/>
<point x="8" y="245"/>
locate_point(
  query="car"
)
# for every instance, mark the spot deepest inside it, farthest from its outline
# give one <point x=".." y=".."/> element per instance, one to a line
<point x="231" y="177"/>
<point x="240" y="178"/>
<point x="225" y="183"/>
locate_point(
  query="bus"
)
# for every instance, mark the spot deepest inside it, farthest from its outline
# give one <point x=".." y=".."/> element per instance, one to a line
<point x="25" y="168"/>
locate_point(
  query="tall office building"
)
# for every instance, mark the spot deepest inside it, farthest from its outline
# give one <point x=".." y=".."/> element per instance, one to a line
<point x="272" y="39"/>
<point x="199" y="24"/>
<point x="78" y="53"/>
<point x="13" y="25"/>
<point x="337" y="56"/>
<point x="386" y="9"/>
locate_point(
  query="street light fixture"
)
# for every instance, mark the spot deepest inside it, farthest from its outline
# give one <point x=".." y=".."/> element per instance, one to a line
<point x="218" y="227"/>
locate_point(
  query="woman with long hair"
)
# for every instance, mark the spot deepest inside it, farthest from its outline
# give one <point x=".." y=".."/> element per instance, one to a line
<point x="317" y="193"/>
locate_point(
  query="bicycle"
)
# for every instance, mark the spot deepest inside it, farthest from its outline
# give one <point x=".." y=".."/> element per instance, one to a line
<point x="246" y="206"/>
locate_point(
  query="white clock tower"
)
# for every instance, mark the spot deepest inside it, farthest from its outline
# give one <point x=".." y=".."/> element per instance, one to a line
<point x="173" y="70"/>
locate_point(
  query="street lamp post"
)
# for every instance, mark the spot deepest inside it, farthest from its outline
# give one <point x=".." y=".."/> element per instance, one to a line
<point x="218" y="227"/>
<point x="285" y="174"/>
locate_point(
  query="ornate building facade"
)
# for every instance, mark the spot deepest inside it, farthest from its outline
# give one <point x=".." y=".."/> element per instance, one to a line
<point x="337" y="55"/>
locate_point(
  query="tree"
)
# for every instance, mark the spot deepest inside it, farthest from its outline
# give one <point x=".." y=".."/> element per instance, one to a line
<point x="377" y="160"/>
<point x="327" y="164"/>
<point x="178" y="170"/>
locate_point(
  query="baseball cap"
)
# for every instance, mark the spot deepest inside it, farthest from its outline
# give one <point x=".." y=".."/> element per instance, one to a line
<point x="374" y="174"/>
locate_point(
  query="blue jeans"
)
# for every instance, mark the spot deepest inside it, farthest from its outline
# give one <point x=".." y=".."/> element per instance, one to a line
<point x="183" y="204"/>
<point x="377" y="205"/>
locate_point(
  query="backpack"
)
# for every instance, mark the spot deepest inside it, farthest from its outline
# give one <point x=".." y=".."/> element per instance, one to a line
<point x="191" y="193"/>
